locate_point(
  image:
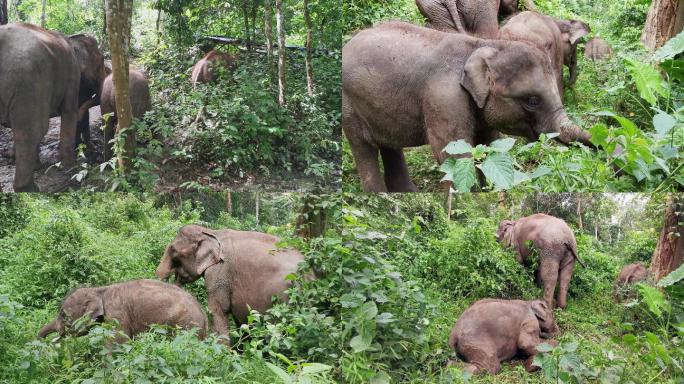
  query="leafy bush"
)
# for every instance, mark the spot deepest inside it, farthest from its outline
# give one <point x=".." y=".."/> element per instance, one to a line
<point x="600" y="273"/>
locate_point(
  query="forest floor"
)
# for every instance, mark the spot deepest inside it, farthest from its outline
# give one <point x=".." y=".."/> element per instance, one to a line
<point x="48" y="177"/>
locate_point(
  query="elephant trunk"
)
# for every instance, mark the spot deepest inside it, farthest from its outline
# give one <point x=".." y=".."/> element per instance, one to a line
<point x="570" y="132"/>
<point x="53" y="326"/>
<point x="165" y="268"/>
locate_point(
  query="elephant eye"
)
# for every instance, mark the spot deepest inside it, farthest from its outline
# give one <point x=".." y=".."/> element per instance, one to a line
<point x="532" y="103"/>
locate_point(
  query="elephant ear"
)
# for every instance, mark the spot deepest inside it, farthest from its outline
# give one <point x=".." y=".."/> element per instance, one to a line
<point x="573" y="30"/>
<point x="477" y="76"/>
<point x="540" y="310"/>
<point x="209" y="252"/>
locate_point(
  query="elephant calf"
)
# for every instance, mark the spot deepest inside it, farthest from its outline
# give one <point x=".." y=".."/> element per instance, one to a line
<point x="491" y="331"/>
<point x="135" y="304"/>
<point x="597" y="49"/>
<point x="557" y="250"/>
<point x="141" y="102"/>
<point x="205" y="69"/>
<point x="632" y="273"/>
<point x="557" y="38"/>
<point x="241" y="270"/>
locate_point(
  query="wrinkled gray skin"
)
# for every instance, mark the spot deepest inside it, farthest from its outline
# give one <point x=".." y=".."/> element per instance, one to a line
<point x="597" y="49"/>
<point x="491" y="331"/>
<point x="632" y="274"/>
<point x="139" y="92"/>
<point x="476" y="17"/>
<point x="557" y="38"/>
<point x="557" y="248"/>
<point x="510" y="7"/>
<point x="135" y="304"/>
<point x="205" y="69"/>
<point x="406" y="86"/>
<point x="44" y="74"/>
<point x="240" y="269"/>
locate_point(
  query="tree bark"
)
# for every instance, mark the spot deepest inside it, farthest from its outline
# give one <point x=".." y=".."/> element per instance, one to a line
<point x="256" y="206"/>
<point x="669" y="251"/>
<point x="281" y="51"/>
<point x="157" y="25"/>
<point x="268" y="34"/>
<point x="119" y="14"/>
<point x="229" y="202"/>
<point x="4" y="16"/>
<point x="309" y="48"/>
<point x="245" y="17"/>
<point x="579" y="214"/>
<point x="312" y="219"/>
<point x="450" y="201"/>
<point x="664" y="21"/>
<point x="42" y="15"/>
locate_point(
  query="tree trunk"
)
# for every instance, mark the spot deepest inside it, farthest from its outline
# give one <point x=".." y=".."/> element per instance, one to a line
<point x="669" y="252"/>
<point x="42" y="15"/>
<point x="119" y="14"/>
<point x="450" y="201"/>
<point x="579" y="214"/>
<point x="281" y="51"/>
<point x="229" y="202"/>
<point x="4" y="16"/>
<point x="309" y="48"/>
<point x="312" y="220"/>
<point x="268" y="33"/>
<point x="664" y="21"/>
<point x="256" y="207"/>
<point x="245" y="18"/>
<point x="253" y="20"/>
<point x="157" y="25"/>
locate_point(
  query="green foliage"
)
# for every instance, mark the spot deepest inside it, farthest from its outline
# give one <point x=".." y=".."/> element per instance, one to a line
<point x="637" y="246"/>
<point x="12" y="215"/>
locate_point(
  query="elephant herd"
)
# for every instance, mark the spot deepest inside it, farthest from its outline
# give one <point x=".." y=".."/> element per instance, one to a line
<point x="462" y="77"/>
<point x="242" y="270"/>
<point x="46" y="74"/>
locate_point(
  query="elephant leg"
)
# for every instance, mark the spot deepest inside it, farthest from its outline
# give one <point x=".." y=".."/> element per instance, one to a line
<point x="549" y="275"/>
<point x="397" y="177"/>
<point x="365" y="153"/>
<point x="108" y="137"/>
<point x="29" y="127"/>
<point x="67" y="138"/>
<point x="219" y="309"/>
<point x="83" y="133"/>
<point x="565" y="275"/>
<point x="528" y="341"/>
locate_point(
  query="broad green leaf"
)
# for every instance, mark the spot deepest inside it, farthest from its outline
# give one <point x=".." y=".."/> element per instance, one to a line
<point x="312" y="368"/>
<point x="502" y="145"/>
<point x="544" y="347"/>
<point x="673" y="277"/>
<point x="674" y="68"/>
<point x="458" y="148"/>
<point x="663" y="123"/>
<point x="282" y="375"/>
<point x="630" y="129"/>
<point x="647" y="79"/>
<point x="599" y="134"/>
<point x="654" y="299"/>
<point x="461" y="172"/>
<point x="381" y="377"/>
<point x="498" y="169"/>
<point x="368" y="311"/>
<point x="672" y="48"/>
<point x="359" y="343"/>
<point x="541" y="171"/>
<point x="521" y="177"/>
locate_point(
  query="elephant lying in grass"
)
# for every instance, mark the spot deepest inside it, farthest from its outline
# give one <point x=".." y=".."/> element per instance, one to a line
<point x="135" y="304"/>
<point x="557" y="250"/>
<point x="241" y="270"/>
<point x="632" y="274"/>
<point x="491" y="331"/>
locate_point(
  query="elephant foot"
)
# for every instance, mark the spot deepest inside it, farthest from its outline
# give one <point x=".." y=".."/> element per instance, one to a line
<point x="528" y="364"/>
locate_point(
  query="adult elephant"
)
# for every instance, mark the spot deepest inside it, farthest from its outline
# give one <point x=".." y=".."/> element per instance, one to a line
<point x="406" y="86"/>
<point x="241" y="270"/>
<point x="557" y="38"/>
<point x="44" y="74"/>
<point x="557" y="248"/>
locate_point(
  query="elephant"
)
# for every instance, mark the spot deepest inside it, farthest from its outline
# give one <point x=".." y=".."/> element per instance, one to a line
<point x="45" y="74"/>
<point x="406" y="86"/>
<point x="557" y="38"/>
<point x="557" y="250"/>
<point x="475" y="17"/>
<point x="241" y="270"/>
<point x="597" y="49"/>
<point x="511" y="7"/>
<point x="139" y="92"/>
<point x="136" y="304"/>
<point x="205" y="69"/>
<point x="492" y="330"/>
<point x="632" y="273"/>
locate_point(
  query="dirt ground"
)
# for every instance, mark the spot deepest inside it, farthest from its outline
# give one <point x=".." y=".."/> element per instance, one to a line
<point x="48" y="178"/>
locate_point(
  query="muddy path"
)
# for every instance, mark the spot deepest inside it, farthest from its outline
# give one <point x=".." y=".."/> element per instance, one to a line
<point x="48" y="177"/>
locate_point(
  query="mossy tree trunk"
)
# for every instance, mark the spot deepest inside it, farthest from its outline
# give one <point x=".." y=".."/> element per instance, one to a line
<point x="664" y="21"/>
<point x="669" y="251"/>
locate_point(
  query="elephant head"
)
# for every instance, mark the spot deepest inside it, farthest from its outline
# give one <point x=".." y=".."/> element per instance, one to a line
<point x="504" y="234"/>
<point x="194" y="249"/>
<point x="571" y="32"/>
<point x="515" y="89"/>
<point x="547" y="323"/>
<point x="76" y="305"/>
<point x="91" y="62"/>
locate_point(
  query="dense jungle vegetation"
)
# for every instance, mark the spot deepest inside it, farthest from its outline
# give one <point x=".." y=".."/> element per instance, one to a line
<point x="397" y="274"/>
<point x="633" y="99"/>
<point x="233" y="133"/>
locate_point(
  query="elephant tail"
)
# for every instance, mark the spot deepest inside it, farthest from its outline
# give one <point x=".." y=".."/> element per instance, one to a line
<point x="574" y="254"/>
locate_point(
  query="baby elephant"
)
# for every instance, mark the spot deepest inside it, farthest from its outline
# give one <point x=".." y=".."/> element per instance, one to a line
<point x="135" y="304"/>
<point x="139" y="92"/>
<point x="632" y="273"/>
<point x="205" y="69"/>
<point x="597" y="49"/>
<point x="492" y="330"/>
